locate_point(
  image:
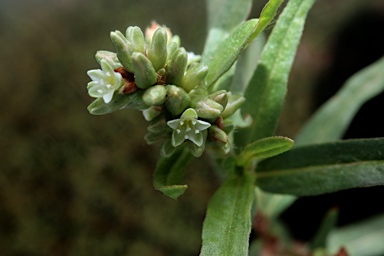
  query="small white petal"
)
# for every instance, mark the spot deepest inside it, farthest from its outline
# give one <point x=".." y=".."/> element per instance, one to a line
<point x="100" y="91"/>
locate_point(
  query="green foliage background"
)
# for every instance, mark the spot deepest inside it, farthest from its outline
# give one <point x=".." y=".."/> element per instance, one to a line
<point x="76" y="184"/>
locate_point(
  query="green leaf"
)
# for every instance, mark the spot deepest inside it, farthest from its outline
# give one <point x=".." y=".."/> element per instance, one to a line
<point x="246" y="65"/>
<point x="169" y="173"/>
<point x="267" y="89"/>
<point x="221" y="60"/>
<point x="364" y="238"/>
<point x="119" y="101"/>
<point x="333" y="118"/>
<point x="271" y="204"/>
<point x="324" y="168"/>
<point x="264" y="148"/>
<point x="227" y="224"/>
<point x="223" y="17"/>
<point x="327" y="225"/>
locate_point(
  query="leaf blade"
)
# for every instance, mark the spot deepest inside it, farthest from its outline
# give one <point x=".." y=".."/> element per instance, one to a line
<point x="169" y="173"/>
<point x="324" y="168"/>
<point x="332" y="119"/>
<point x="267" y="87"/>
<point x="227" y="225"/>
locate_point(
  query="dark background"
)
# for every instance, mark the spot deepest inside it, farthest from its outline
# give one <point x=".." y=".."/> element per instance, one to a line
<point x="76" y="184"/>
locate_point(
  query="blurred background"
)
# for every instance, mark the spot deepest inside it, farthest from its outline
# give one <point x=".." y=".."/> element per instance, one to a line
<point x="76" y="184"/>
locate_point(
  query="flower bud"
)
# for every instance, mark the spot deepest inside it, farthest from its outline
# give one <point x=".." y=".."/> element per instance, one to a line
<point x="155" y="95"/>
<point x="234" y="103"/>
<point x="171" y="49"/>
<point x="166" y="148"/>
<point x="194" y="75"/>
<point x="123" y="49"/>
<point x="110" y="57"/>
<point x="208" y="108"/>
<point x="220" y="97"/>
<point x="136" y="37"/>
<point x="157" y="52"/>
<point x="177" y="100"/>
<point x="219" y="140"/>
<point x="151" y="112"/>
<point x="145" y="74"/>
<point x="176" y="66"/>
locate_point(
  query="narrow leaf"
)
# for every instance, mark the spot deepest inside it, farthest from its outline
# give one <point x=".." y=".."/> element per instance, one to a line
<point x="264" y="148"/>
<point x="119" y="101"/>
<point x="227" y="51"/>
<point x="227" y="225"/>
<point x="170" y="172"/>
<point x="327" y="225"/>
<point x="223" y="17"/>
<point x="324" y="168"/>
<point x="364" y="238"/>
<point x="267" y="89"/>
<point x="272" y="204"/>
<point x="333" y="118"/>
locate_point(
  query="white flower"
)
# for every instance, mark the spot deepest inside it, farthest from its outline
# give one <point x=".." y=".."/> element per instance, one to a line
<point x="105" y="82"/>
<point x="188" y="127"/>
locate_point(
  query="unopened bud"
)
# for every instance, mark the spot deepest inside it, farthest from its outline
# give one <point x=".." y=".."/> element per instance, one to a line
<point x="157" y="52"/>
<point x="155" y="95"/>
<point x="145" y="74"/>
<point x="136" y="37"/>
<point x="219" y="140"/>
<point x="110" y="57"/>
<point x="176" y="66"/>
<point x="234" y="103"/>
<point x="151" y="112"/>
<point x="194" y="75"/>
<point x="208" y="108"/>
<point x="220" y="97"/>
<point x="123" y="49"/>
<point x="177" y="99"/>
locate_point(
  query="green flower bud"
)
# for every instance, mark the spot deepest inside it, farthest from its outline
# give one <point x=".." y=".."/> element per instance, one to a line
<point x="208" y="108"/>
<point x="123" y="49"/>
<point x="194" y="75"/>
<point x="219" y="140"/>
<point x="155" y="95"/>
<point x="166" y="148"/>
<point x="177" y="100"/>
<point x="110" y="57"/>
<point x="157" y="52"/>
<point x="152" y="112"/>
<point x="136" y="37"/>
<point x="145" y="74"/>
<point x="220" y="97"/>
<point x="176" y="66"/>
<point x="171" y="49"/>
<point x="234" y="103"/>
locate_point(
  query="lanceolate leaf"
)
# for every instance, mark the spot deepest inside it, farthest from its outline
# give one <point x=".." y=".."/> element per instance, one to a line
<point x="264" y="148"/>
<point x="223" y="17"/>
<point x="170" y="172"/>
<point x="364" y="238"/>
<point x="324" y="168"/>
<point x="227" y="51"/>
<point x="227" y="225"/>
<point x="119" y="101"/>
<point x="267" y="89"/>
<point x="332" y="119"/>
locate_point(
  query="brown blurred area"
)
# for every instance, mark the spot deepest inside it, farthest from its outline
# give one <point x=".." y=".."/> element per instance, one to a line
<point x="76" y="184"/>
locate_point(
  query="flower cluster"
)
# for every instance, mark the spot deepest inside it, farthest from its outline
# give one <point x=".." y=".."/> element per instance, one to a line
<point x="152" y="73"/>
